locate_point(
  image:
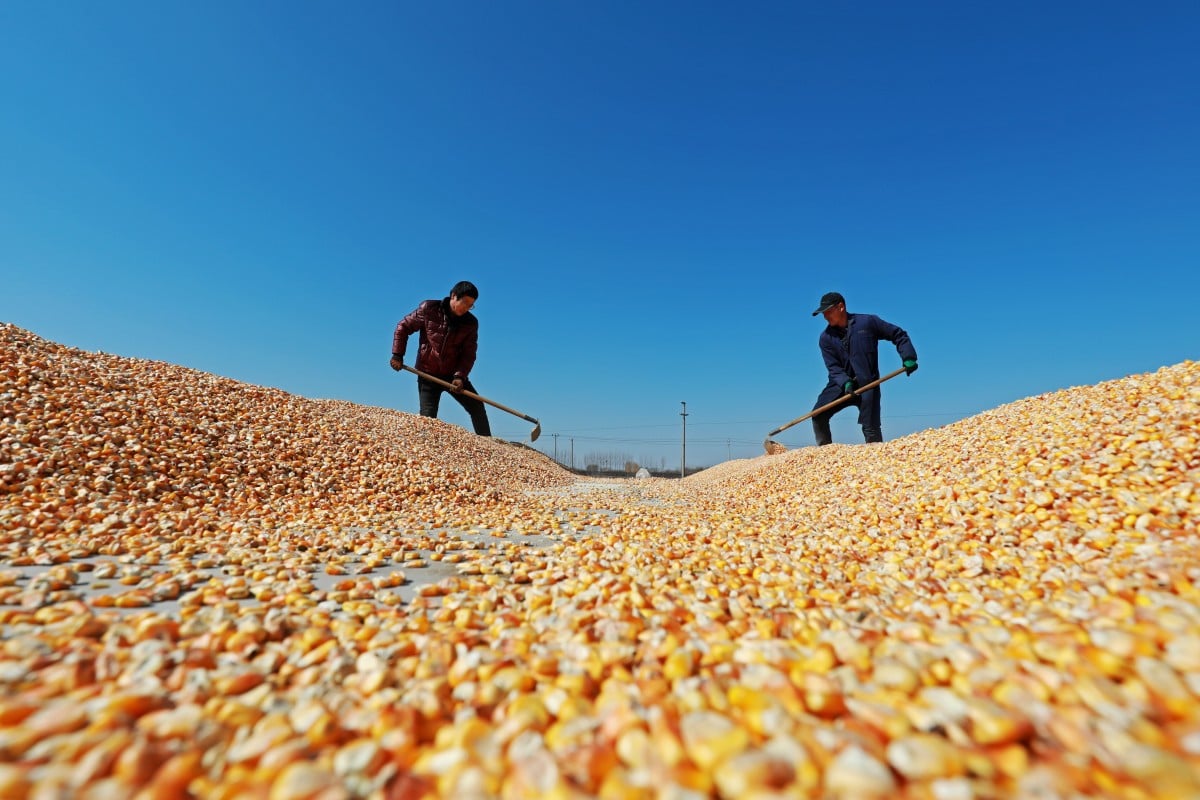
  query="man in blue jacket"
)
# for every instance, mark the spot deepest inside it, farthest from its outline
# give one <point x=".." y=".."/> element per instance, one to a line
<point x="850" y="347"/>
<point x="446" y="350"/>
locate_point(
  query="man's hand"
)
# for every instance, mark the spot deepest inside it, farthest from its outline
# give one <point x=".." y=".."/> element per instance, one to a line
<point x="910" y="366"/>
<point x="458" y="383"/>
<point x="848" y="387"/>
<point x="397" y="362"/>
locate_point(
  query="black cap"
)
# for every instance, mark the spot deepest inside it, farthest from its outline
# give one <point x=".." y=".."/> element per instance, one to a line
<point x="828" y="301"/>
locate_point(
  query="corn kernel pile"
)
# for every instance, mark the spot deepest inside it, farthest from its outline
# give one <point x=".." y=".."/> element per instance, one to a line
<point x="207" y="589"/>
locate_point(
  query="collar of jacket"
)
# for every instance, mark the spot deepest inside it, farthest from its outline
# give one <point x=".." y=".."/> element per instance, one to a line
<point x="451" y="320"/>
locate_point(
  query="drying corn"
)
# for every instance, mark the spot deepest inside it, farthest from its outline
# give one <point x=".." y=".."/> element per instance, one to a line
<point x="206" y="589"/>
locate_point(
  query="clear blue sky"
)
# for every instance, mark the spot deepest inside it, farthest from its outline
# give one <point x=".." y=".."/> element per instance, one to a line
<point x="651" y="196"/>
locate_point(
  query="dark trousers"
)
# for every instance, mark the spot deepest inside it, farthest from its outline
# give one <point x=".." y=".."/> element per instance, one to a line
<point x="868" y="414"/>
<point x="431" y="396"/>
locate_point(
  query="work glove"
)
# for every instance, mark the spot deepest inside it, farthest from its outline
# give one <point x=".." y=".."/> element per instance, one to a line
<point x="848" y="387"/>
<point x="910" y="366"/>
<point x="397" y="362"/>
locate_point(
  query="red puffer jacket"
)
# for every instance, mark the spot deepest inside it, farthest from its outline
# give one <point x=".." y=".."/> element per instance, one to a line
<point x="448" y="343"/>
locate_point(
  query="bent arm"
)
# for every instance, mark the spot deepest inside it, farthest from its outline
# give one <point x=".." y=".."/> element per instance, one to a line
<point x="835" y="361"/>
<point x="407" y="327"/>
<point x="897" y="336"/>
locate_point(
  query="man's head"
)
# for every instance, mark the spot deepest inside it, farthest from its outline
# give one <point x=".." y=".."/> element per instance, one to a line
<point x="463" y="297"/>
<point x="833" y="306"/>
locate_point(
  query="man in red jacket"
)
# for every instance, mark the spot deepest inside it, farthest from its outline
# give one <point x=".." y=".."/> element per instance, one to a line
<point x="446" y="350"/>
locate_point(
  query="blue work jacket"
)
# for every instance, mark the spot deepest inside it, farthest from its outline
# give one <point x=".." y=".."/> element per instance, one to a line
<point x="852" y="353"/>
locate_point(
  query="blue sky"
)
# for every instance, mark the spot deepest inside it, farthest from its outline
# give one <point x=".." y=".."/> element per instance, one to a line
<point x="651" y="197"/>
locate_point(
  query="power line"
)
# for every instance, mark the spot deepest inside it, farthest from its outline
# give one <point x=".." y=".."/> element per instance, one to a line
<point x="769" y="422"/>
<point x="718" y="439"/>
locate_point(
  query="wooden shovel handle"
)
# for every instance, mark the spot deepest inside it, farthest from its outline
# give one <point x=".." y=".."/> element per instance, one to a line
<point x="467" y="392"/>
<point x="837" y="402"/>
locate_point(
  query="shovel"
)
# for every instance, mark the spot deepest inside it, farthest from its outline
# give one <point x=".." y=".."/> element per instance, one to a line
<point x="537" y="431"/>
<point x="774" y="448"/>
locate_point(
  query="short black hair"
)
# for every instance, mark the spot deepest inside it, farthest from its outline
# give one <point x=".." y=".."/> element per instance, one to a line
<point x="464" y="289"/>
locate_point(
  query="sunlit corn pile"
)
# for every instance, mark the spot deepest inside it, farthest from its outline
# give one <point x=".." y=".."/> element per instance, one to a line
<point x="1002" y="607"/>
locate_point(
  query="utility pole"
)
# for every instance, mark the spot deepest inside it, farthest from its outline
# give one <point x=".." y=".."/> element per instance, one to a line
<point x="728" y="451"/>
<point x="683" y="458"/>
<point x="572" y="452"/>
<point x="555" y="435"/>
